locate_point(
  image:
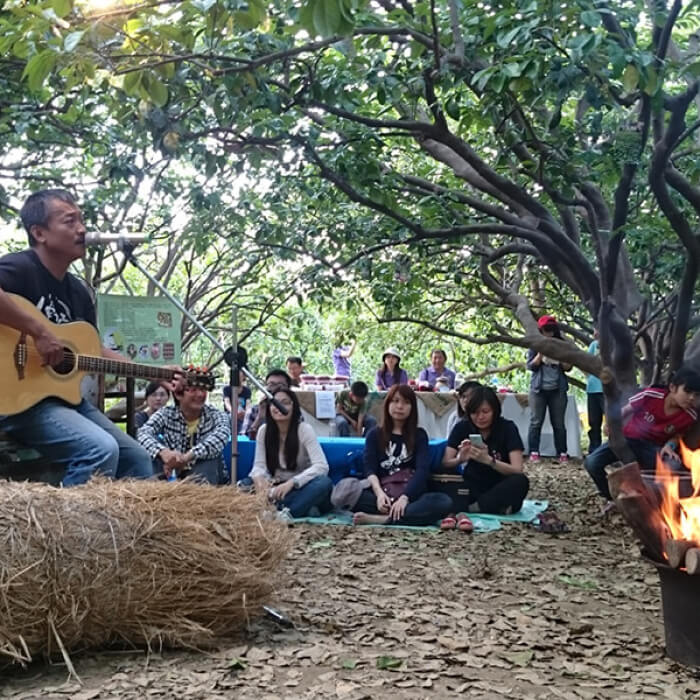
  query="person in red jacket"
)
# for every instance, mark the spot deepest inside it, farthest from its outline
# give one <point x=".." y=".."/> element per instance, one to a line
<point x="653" y="419"/>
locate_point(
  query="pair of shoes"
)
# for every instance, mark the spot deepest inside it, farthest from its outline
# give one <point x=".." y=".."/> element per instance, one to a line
<point x="464" y="523"/>
<point x="563" y="458"/>
<point x="534" y="457"/>
<point x="550" y="523"/>
<point x="448" y="523"/>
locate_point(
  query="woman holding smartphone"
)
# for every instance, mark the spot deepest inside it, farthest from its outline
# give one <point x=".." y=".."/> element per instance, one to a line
<point x="490" y="448"/>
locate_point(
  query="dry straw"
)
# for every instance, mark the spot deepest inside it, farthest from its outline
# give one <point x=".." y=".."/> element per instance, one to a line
<point x="142" y="563"/>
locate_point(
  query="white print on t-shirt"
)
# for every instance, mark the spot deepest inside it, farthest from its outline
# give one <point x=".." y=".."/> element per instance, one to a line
<point x="650" y="418"/>
<point x="49" y="307"/>
<point x="393" y="463"/>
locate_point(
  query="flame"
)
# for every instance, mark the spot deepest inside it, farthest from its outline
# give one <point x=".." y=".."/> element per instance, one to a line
<point x="682" y="515"/>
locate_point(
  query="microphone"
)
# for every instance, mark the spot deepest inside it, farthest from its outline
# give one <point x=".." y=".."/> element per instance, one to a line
<point x="123" y="240"/>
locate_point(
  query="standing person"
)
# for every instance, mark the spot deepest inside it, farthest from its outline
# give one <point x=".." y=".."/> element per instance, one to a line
<point x="289" y="464"/>
<point x="653" y="420"/>
<point x="244" y="396"/>
<point x="548" y="387"/>
<point x="256" y="414"/>
<point x="187" y="438"/>
<point x="397" y="464"/>
<point x="80" y="439"/>
<point x="428" y="376"/>
<point x="156" y="395"/>
<point x="493" y="470"/>
<point x="341" y="358"/>
<point x="295" y="366"/>
<point x="390" y="372"/>
<point x="595" y="400"/>
<point x="463" y="395"/>
<point x="351" y="411"/>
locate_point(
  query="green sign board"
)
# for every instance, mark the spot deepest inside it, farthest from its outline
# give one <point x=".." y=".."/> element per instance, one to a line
<point x="146" y="330"/>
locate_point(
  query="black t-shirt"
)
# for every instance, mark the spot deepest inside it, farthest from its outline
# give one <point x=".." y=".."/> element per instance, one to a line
<point x="244" y="393"/>
<point x="503" y="439"/>
<point x="61" y="301"/>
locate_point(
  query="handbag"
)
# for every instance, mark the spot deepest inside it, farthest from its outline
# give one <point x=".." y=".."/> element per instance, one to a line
<point x="453" y="485"/>
<point x="394" y="485"/>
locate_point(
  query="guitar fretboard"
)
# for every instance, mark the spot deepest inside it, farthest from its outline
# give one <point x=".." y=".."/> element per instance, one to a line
<point x="102" y="365"/>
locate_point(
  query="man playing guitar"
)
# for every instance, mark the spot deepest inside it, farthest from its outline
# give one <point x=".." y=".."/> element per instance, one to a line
<point x="79" y="438"/>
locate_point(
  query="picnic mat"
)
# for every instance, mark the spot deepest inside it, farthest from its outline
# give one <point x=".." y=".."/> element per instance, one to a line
<point x="482" y="522"/>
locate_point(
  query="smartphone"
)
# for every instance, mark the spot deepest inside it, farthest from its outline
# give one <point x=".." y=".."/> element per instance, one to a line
<point x="476" y="440"/>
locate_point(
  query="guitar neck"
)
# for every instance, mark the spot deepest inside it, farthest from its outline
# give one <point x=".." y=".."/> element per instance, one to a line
<point x="102" y="365"/>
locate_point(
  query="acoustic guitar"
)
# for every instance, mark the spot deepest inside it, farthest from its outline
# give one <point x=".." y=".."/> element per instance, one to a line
<point x="25" y="381"/>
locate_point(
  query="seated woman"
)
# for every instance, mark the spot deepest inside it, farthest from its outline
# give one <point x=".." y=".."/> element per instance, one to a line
<point x="397" y="464"/>
<point x="463" y="395"/>
<point x="289" y="463"/>
<point x="492" y="451"/>
<point x="390" y="372"/>
<point x="156" y="397"/>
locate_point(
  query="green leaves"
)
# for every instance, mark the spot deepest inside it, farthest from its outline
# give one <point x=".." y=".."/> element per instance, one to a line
<point x="38" y="67"/>
<point x="389" y="663"/>
<point x="329" y="17"/>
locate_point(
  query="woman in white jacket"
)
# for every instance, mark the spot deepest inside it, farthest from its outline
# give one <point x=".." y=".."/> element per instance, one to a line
<point x="289" y="463"/>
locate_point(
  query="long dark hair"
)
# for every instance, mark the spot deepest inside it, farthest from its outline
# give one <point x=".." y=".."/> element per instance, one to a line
<point x="410" y="426"/>
<point x="291" y="442"/>
<point x="397" y="370"/>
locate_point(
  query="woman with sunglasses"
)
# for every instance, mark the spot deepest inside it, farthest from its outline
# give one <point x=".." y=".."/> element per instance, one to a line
<point x="289" y="463"/>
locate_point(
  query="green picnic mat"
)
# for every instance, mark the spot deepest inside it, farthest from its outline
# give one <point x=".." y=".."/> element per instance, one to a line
<point x="483" y="522"/>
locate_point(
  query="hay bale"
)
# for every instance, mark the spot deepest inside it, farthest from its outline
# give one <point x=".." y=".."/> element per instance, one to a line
<point x="145" y="563"/>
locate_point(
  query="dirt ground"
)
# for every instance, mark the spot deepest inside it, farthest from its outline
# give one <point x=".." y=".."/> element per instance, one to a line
<point x="379" y="611"/>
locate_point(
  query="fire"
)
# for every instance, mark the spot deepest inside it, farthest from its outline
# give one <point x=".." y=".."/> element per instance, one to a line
<point x="680" y="494"/>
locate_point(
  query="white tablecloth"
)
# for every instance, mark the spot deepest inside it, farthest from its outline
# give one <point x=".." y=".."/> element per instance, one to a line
<point x="436" y="426"/>
<point x="520" y="415"/>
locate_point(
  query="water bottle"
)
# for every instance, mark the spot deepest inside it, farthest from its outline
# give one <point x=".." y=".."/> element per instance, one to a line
<point x="173" y="476"/>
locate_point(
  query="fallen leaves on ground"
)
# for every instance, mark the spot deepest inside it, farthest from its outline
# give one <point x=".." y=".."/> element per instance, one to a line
<point x="512" y="614"/>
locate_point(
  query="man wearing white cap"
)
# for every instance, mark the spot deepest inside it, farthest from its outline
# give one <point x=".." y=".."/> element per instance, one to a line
<point x="390" y="372"/>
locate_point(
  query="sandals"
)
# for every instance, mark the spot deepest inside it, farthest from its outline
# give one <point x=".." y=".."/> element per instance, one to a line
<point x="550" y="523"/>
<point x="461" y="522"/>
<point x="448" y="523"/>
<point x="464" y="523"/>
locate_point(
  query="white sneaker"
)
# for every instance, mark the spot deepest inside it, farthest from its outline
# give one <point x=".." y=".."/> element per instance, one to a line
<point x="285" y="516"/>
<point x="534" y="457"/>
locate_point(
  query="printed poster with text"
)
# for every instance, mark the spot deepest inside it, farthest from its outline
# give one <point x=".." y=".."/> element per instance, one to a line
<point x="146" y="330"/>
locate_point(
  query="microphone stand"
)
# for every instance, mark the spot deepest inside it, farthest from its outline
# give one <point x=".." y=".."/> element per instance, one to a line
<point x="128" y="250"/>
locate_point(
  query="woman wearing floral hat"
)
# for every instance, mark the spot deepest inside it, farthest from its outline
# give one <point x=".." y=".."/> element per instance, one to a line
<point x="548" y="387"/>
<point x="390" y="372"/>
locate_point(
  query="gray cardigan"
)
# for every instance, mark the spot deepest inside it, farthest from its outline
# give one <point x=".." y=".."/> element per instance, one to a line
<point x="536" y="378"/>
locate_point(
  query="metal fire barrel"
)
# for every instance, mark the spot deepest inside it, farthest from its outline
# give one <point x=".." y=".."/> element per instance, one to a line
<point x="680" y="599"/>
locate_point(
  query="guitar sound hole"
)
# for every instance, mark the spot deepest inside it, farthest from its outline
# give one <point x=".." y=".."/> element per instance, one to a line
<point x="67" y="364"/>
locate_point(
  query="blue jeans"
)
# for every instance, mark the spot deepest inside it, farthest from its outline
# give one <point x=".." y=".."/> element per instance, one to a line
<point x="80" y="439"/>
<point x="342" y="427"/>
<point x="555" y="400"/>
<point x="316" y="493"/>
<point x="427" y="509"/>
<point x="208" y="471"/>
<point x="595" y="463"/>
